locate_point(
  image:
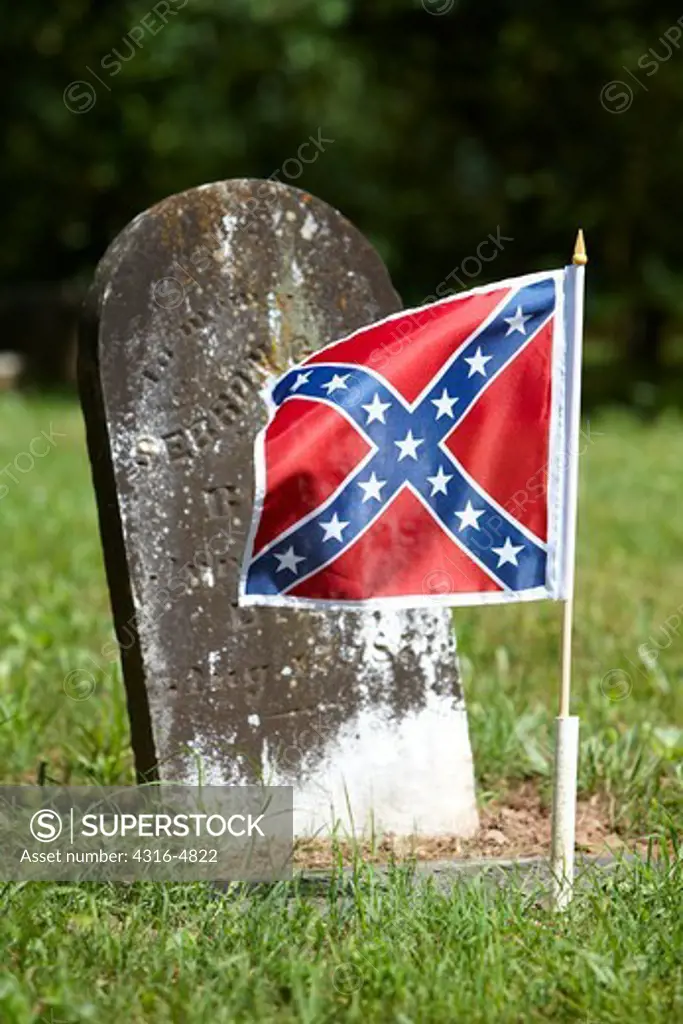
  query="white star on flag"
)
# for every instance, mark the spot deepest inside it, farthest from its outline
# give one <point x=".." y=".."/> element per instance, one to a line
<point x="477" y="363"/>
<point x="376" y="409"/>
<point x="516" y="322"/>
<point x="408" y="446"/>
<point x="302" y="378"/>
<point x="333" y="528"/>
<point x="469" y="516"/>
<point x="508" y="553"/>
<point x="372" y="488"/>
<point x="444" y="405"/>
<point x="439" y="482"/>
<point x="336" y="383"/>
<point x="289" y="560"/>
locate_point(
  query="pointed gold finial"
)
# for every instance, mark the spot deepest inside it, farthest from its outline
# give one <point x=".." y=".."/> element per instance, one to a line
<point x="580" y="256"/>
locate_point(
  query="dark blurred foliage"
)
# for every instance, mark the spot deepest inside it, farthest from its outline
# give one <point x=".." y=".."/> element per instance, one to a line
<point x="451" y="119"/>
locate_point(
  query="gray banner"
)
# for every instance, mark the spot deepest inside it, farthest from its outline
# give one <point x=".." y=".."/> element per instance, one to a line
<point x="152" y="833"/>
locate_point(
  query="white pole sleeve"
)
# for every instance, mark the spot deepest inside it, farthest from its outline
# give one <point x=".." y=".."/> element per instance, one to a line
<point x="564" y="809"/>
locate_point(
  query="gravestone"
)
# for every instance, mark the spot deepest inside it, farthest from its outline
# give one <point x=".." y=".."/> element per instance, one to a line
<point x="193" y="304"/>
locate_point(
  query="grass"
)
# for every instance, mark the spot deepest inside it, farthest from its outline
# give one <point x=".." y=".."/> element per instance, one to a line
<point x="386" y="951"/>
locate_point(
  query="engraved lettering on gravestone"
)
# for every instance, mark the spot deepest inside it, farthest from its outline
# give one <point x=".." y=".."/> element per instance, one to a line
<point x="227" y="406"/>
<point x="204" y="431"/>
<point x="177" y="361"/>
<point x="221" y="501"/>
<point x="254" y="680"/>
<point x="196" y="679"/>
<point x="239" y="623"/>
<point x="206" y="565"/>
<point x="155" y="370"/>
<point x="145" y="449"/>
<point x="228" y="567"/>
<point x="177" y="445"/>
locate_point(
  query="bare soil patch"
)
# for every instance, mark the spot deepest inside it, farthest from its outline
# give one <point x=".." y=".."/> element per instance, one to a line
<point x="516" y="826"/>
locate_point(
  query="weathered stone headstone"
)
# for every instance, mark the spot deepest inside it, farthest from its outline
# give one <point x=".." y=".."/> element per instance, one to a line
<point x="192" y="304"/>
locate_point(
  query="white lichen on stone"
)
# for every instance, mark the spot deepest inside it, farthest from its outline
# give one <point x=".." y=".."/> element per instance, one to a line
<point x="309" y="227"/>
<point x="274" y="318"/>
<point x="229" y="222"/>
<point x="297" y="276"/>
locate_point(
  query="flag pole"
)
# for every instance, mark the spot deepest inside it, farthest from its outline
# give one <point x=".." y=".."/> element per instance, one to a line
<point x="567" y="725"/>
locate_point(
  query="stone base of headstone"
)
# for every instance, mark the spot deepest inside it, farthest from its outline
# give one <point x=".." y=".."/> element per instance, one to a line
<point x="362" y="712"/>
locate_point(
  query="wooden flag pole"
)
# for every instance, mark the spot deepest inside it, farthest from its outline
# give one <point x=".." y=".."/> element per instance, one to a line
<point x="566" y="725"/>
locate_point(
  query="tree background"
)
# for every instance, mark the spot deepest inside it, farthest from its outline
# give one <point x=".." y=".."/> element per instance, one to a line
<point x="451" y="120"/>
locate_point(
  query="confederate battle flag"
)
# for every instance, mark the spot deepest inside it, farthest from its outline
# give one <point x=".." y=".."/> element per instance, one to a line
<point x="423" y="459"/>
